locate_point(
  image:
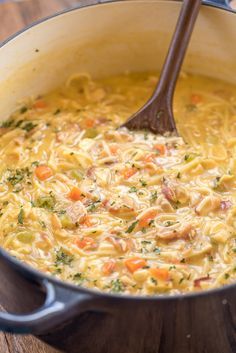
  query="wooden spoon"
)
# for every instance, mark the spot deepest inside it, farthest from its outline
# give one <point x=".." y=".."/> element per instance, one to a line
<point x="157" y="114"/>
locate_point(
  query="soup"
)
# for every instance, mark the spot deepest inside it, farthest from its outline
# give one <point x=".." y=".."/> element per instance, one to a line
<point x="116" y="210"/>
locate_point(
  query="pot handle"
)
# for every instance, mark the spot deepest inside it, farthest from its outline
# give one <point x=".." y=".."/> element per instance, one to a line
<point x="55" y="310"/>
<point x="223" y="4"/>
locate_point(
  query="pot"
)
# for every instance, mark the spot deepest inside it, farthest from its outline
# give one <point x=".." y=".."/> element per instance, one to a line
<point x="103" y="39"/>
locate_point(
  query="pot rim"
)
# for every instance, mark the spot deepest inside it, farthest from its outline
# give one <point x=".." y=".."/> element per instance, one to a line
<point x="40" y="276"/>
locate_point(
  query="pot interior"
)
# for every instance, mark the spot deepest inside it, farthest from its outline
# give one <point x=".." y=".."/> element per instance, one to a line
<point x="107" y="39"/>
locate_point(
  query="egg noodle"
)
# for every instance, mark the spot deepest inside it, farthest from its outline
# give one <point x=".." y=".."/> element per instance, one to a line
<point x="117" y="210"/>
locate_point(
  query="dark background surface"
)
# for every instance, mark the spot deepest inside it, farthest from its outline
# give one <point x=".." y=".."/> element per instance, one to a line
<point x="14" y="16"/>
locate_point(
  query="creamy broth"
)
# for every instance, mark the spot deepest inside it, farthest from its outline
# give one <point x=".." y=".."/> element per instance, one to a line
<point x="116" y="210"/>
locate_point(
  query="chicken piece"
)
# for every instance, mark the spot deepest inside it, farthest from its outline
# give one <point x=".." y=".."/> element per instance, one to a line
<point x="164" y="204"/>
<point x="76" y="211"/>
<point x="121" y="245"/>
<point x="208" y="204"/>
<point x="173" y="232"/>
<point x="175" y="192"/>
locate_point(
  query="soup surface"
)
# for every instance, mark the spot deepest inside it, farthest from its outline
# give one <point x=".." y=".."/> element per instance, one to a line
<point x="116" y="210"/>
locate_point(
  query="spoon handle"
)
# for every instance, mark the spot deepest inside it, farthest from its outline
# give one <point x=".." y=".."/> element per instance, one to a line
<point x="177" y="49"/>
<point x="157" y="114"/>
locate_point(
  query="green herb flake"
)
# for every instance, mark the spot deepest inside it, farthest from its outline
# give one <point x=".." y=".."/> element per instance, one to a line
<point x="131" y="227"/>
<point x="62" y="258"/>
<point x="46" y="202"/>
<point x="28" y="126"/>
<point x="17" y="175"/>
<point x="78" y="278"/>
<point x="7" y="124"/>
<point x="57" y="112"/>
<point x="189" y="157"/>
<point x="93" y="206"/>
<point x="23" y="110"/>
<point x="154" y="281"/>
<point x="133" y="189"/>
<point x="153" y="196"/>
<point x="117" y="286"/>
<point x="143" y="182"/>
<point x="21" y="216"/>
<point x="178" y="176"/>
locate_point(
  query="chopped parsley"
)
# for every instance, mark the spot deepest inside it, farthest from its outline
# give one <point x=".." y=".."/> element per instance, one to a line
<point x="62" y="258"/>
<point x="57" y="112"/>
<point x="153" y="196"/>
<point x="143" y="182"/>
<point x="189" y="157"/>
<point x="117" y="286"/>
<point x="178" y="176"/>
<point x="78" y="278"/>
<point x="17" y="175"/>
<point x="93" y="206"/>
<point x="131" y="227"/>
<point x="21" y="216"/>
<point x="28" y="126"/>
<point x="169" y="223"/>
<point x="23" y="110"/>
<point x="133" y="189"/>
<point x="154" y="281"/>
<point x="7" y="124"/>
<point x="48" y="202"/>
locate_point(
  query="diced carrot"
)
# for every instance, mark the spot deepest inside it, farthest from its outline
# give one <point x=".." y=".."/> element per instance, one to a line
<point x="114" y="149"/>
<point x="88" y="123"/>
<point x="135" y="263"/>
<point x="86" y="221"/>
<point x="196" y="98"/>
<point x="149" y="157"/>
<point x="160" y="273"/>
<point x="43" y="172"/>
<point x="108" y="267"/>
<point x="128" y="172"/>
<point x="147" y="217"/>
<point x="40" y="104"/>
<point x="161" y="149"/>
<point x="75" y="194"/>
<point x="86" y="242"/>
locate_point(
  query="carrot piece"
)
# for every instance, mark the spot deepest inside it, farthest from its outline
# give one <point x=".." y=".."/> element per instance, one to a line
<point x="75" y="194"/>
<point x="160" y="148"/>
<point x="135" y="263"/>
<point x="108" y="267"/>
<point x="40" y="104"/>
<point x="160" y="273"/>
<point x="43" y="172"/>
<point x="114" y="149"/>
<point x="86" y="221"/>
<point x="128" y="172"/>
<point x="147" y="217"/>
<point x="149" y="157"/>
<point x="196" y="98"/>
<point x="86" y="243"/>
<point x="88" y="123"/>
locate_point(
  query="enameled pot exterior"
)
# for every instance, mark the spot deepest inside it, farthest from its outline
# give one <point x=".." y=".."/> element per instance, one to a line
<point x="105" y="39"/>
